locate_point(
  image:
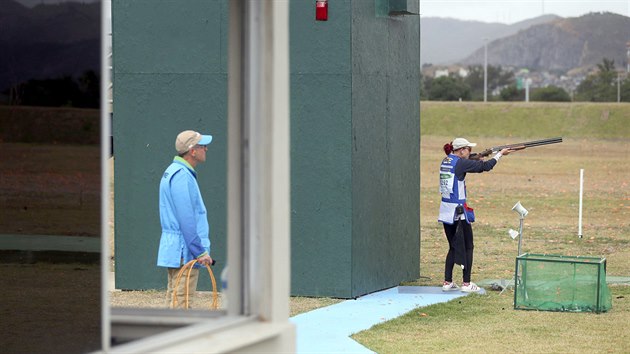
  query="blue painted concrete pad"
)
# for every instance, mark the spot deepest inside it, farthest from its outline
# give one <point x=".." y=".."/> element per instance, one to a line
<point x="328" y="329"/>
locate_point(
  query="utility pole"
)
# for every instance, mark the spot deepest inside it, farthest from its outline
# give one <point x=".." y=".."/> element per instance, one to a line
<point x="618" y="87"/>
<point x="485" y="70"/>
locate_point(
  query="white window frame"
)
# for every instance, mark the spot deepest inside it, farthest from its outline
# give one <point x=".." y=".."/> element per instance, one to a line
<point x="258" y="222"/>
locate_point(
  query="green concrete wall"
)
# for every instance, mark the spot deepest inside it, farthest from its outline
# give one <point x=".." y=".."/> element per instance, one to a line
<point x="354" y="137"/>
<point x="386" y="168"/>
<point x="355" y="158"/>
<point x="170" y="74"/>
<point x="321" y="151"/>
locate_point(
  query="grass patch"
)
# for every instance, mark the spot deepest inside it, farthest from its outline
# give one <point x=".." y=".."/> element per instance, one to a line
<point x="506" y="119"/>
<point x="488" y="323"/>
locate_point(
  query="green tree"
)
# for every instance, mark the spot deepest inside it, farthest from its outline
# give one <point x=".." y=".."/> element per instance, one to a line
<point x="625" y="89"/>
<point x="89" y="87"/>
<point x="512" y="93"/>
<point x="601" y="86"/>
<point x="64" y="91"/>
<point x="448" y="88"/>
<point x="497" y="77"/>
<point x="550" y="94"/>
<point x="424" y="81"/>
<point x="58" y="92"/>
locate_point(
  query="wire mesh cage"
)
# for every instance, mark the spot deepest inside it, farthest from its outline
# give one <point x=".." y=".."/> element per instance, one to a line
<point x="561" y="283"/>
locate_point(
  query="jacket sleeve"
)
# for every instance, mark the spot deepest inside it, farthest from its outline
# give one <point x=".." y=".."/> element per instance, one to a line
<point x="464" y="166"/>
<point x="184" y="190"/>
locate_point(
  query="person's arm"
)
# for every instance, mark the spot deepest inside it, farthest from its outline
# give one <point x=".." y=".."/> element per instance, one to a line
<point x="464" y="166"/>
<point x="477" y="166"/>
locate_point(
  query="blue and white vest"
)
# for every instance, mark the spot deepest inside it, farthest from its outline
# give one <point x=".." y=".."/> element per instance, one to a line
<point x="453" y="191"/>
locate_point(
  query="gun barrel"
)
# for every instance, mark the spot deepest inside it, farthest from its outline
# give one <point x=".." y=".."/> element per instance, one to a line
<point x="529" y="144"/>
<point x="543" y="142"/>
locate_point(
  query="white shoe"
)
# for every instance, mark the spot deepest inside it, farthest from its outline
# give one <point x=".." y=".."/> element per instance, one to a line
<point x="470" y="288"/>
<point x="446" y="286"/>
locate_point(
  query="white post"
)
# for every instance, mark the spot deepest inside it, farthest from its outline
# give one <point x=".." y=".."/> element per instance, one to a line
<point x="527" y="89"/>
<point x="520" y="235"/>
<point x="580" y="208"/>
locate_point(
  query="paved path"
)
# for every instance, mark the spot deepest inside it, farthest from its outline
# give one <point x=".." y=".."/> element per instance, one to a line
<point x="328" y="329"/>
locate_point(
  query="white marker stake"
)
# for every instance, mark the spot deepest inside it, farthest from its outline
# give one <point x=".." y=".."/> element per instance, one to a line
<point x="580" y="212"/>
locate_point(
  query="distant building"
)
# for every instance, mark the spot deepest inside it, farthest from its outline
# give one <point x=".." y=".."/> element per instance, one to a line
<point x="440" y="73"/>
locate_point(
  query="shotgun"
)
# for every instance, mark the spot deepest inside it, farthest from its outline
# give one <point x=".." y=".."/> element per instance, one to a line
<point x="518" y="146"/>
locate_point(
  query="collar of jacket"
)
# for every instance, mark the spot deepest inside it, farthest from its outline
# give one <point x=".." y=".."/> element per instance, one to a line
<point x="180" y="160"/>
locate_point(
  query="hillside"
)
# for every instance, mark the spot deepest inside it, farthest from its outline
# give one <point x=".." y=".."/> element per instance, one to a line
<point x="447" y="40"/>
<point x="562" y="44"/>
<point x="48" y="41"/>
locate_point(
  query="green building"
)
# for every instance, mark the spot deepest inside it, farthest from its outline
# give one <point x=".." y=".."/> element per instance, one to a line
<point x="355" y="136"/>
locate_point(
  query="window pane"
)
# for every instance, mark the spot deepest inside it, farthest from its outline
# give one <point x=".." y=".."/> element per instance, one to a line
<point x="50" y="176"/>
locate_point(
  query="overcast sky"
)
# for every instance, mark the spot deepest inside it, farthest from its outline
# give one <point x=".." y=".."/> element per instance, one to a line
<point x="511" y="11"/>
<point x="503" y="11"/>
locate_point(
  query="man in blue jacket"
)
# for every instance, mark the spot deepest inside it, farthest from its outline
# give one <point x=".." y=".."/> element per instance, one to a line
<point x="183" y="215"/>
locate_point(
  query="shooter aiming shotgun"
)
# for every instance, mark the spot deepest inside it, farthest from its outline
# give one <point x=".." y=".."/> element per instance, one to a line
<point x="518" y="146"/>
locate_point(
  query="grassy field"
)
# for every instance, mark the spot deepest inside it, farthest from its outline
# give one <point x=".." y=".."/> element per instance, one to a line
<point x="546" y="181"/>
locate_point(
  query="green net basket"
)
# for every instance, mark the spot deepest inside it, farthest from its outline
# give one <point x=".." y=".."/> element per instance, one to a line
<point x="561" y="283"/>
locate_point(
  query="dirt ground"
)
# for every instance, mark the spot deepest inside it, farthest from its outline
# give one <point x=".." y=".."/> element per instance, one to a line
<point x="49" y="190"/>
<point x="45" y="306"/>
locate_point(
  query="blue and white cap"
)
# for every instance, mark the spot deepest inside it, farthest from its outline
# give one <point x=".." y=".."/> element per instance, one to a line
<point x="189" y="138"/>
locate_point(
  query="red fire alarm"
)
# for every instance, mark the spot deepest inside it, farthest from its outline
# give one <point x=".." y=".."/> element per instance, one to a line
<point x="321" y="10"/>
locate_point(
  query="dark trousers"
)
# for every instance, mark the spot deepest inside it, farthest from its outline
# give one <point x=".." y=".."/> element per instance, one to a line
<point x="449" y="230"/>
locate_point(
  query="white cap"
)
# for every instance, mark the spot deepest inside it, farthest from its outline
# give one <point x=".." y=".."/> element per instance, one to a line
<point x="462" y="143"/>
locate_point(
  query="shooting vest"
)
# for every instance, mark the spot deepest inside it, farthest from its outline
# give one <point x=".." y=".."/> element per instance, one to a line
<point x="453" y="191"/>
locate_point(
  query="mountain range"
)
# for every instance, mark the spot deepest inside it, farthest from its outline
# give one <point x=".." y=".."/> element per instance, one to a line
<point x="48" y="41"/>
<point x="546" y="43"/>
<point x="53" y="40"/>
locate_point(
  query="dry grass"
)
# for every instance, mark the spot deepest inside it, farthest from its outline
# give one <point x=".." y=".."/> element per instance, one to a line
<point x="546" y="181"/>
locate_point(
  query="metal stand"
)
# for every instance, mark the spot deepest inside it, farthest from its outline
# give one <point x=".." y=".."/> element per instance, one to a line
<point x="520" y="235"/>
<point x="520" y="239"/>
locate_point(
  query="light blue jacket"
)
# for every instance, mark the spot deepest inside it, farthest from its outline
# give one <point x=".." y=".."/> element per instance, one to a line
<point x="184" y="219"/>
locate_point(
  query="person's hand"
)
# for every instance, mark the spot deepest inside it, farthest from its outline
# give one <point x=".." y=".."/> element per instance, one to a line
<point x="205" y="260"/>
<point x="506" y="151"/>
